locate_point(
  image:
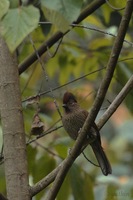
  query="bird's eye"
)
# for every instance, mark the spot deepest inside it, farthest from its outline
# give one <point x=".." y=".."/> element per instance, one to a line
<point x="71" y="103"/>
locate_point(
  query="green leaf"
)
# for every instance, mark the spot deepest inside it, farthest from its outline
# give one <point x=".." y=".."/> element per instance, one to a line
<point x="65" y="190"/>
<point x="62" y="146"/>
<point x="31" y="154"/>
<point x="57" y="19"/>
<point x="2" y="179"/>
<point x="4" y="5"/>
<point x="106" y="10"/>
<point x="81" y="184"/>
<point x="70" y="9"/>
<point x="14" y="3"/>
<point x="45" y="29"/>
<point x="43" y="166"/>
<point x="18" y="23"/>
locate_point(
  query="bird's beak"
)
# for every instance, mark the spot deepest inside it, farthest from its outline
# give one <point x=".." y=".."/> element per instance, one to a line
<point x="64" y="105"/>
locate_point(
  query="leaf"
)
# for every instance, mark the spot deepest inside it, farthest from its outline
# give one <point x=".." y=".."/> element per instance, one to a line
<point x="4" y="5"/>
<point x="45" y="28"/>
<point x="65" y="190"/>
<point x="69" y="9"/>
<point x="14" y="3"/>
<point x="18" y="23"/>
<point x="57" y="19"/>
<point x="43" y="166"/>
<point x="37" y="126"/>
<point x="92" y="20"/>
<point x="81" y="184"/>
<point x="100" y="43"/>
<point x="106" y="10"/>
<point x="31" y="154"/>
<point x="62" y="146"/>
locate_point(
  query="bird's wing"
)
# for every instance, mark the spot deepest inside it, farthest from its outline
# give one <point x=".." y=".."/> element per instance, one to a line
<point x="94" y="126"/>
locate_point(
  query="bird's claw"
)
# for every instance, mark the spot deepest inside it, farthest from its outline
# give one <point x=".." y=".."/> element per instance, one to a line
<point x="79" y="130"/>
<point x="91" y="137"/>
<point x="69" y="151"/>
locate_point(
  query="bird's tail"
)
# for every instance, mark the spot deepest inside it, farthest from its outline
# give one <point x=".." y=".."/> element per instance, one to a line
<point x="101" y="158"/>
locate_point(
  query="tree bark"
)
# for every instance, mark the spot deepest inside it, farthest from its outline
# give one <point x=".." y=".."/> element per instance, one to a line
<point x="15" y="159"/>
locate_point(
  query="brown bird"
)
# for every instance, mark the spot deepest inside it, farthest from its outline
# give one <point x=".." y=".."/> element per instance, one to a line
<point x="73" y="120"/>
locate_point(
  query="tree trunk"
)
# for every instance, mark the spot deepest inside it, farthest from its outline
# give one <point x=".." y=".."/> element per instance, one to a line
<point x="15" y="159"/>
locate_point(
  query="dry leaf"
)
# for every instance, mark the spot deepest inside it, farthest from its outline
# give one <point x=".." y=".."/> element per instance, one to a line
<point x="37" y="127"/>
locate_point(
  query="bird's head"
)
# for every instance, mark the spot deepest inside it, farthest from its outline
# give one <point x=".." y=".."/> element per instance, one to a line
<point x="69" y="102"/>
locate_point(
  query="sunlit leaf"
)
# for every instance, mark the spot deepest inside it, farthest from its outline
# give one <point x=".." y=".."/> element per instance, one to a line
<point x="70" y="9"/>
<point x="4" y="5"/>
<point x="14" y="3"/>
<point x="57" y="19"/>
<point x="18" y="23"/>
<point x="93" y="20"/>
<point x="106" y="10"/>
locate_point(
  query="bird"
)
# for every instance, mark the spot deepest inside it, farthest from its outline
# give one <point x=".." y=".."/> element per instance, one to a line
<point x="73" y="120"/>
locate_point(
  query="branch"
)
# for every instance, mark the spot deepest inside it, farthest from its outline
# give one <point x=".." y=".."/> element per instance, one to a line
<point x="115" y="104"/>
<point x="98" y="101"/>
<point x="49" y="43"/>
<point x="2" y="197"/>
<point x="15" y="160"/>
<point x="31" y="98"/>
<point x="45" y="181"/>
<point x="100" y="31"/>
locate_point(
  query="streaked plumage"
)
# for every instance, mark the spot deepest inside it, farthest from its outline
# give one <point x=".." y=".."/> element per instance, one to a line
<point x="73" y="120"/>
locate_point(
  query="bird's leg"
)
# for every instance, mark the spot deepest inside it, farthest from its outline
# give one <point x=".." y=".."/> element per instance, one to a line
<point x="92" y="136"/>
<point x="69" y="151"/>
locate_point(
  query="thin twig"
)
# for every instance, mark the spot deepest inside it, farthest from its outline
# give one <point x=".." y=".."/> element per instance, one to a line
<point x="44" y="134"/>
<point x="57" y="36"/>
<point x="114" y="8"/>
<point x="45" y="73"/>
<point x="125" y="59"/>
<point x="48" y="150"/>
<point x="45" y="181"/>
<point x="89" y="160"/>
<point x="100" y="31"/>
<point x="115" y="104"/>
<point x="53" y="55"/>
<point x="56" y="88"/>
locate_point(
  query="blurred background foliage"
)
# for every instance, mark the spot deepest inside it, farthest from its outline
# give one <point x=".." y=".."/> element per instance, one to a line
<point x="81" y="52"/>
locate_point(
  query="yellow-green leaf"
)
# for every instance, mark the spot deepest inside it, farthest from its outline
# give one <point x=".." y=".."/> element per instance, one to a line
<point x="18" y="23"/>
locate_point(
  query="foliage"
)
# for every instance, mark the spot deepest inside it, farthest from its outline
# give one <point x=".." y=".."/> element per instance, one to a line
<point x="81" y="51"/>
